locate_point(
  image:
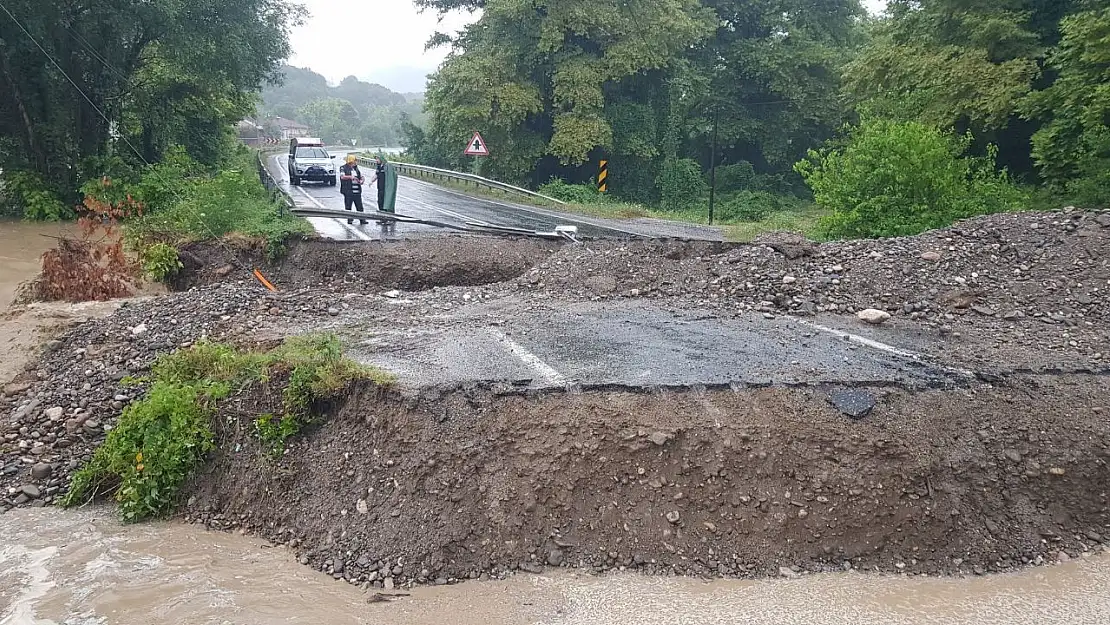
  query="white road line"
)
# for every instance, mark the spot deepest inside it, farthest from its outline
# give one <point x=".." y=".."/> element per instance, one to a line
<point x="444" y="211"/>
<point x="878" y="345"/>
<point x="532" y="361"/>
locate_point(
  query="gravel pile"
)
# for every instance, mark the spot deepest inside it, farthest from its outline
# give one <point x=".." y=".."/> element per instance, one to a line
<point x="53" y="417"/>
<point x="1042" y="273"/>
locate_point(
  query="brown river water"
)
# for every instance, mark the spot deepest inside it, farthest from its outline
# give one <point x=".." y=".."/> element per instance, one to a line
<point x="84" y="568"/>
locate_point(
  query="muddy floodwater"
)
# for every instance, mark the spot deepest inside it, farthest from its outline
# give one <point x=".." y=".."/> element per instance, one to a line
<point x="84" y="568"/>
<point x="21" y="247"/>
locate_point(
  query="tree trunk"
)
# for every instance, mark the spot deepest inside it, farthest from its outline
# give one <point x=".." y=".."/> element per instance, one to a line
<point x="38" y="156"/>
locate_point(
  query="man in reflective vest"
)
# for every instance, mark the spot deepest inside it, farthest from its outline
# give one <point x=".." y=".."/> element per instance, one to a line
<point x="350" y="185"/>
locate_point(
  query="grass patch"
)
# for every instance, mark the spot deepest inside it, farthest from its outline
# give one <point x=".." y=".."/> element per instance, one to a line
<point x="161" y="439"/>
<point x="804" y="220"/>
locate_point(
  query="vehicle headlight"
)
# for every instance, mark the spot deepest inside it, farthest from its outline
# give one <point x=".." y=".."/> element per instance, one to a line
<point x="300" y="170"/>
<point x="331" y="171"/>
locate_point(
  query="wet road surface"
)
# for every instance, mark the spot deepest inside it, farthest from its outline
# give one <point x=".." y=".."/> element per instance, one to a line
<point x="416" y="198"/>
<point x="617" y="342"/>
<point x="83" y="568"/>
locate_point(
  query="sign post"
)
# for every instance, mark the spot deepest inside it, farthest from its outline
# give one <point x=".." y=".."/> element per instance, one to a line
<point x="476" y="148"/>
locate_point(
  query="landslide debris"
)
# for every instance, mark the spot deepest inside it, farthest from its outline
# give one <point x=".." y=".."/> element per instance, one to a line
<point x="946" y="481"/>
<point x="1028" y="279"/>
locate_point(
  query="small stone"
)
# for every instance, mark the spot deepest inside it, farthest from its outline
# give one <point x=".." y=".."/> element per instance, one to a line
<point x="139" y="329"/>
<point x="333" y="311"/>
<point x="873" y="316"/>
<point x="31" y="491"/>
<point x="392" y="294"/>
<point x="362" y="506"/>
<point x="1013" y="455"/>
<point x="855" y="403"/>
<point x="388" y="583"/>
<point x="673" y="516"/>
<point x="1057" y="471"/>
<point x="931" y="256"/>
<point x="41" y="471"/>
<point x="789" y="279"/>
<point x="54" y="413"/>
<point x="659" y="438"/>
<point x="1063" y="557"/>
<point x="555" y="557"/>
<point x="223" y="271"/>
<point x="787" y="572"/>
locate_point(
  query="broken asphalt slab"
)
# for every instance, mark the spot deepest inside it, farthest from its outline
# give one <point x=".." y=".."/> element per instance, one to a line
<point x="630" y="344"/>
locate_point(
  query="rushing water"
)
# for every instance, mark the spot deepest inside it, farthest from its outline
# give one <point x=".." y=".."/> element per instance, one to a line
<point x="21" y="248"/>
<point x="84" y="568"/>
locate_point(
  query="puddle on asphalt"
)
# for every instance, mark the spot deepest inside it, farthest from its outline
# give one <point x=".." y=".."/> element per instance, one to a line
<point x="84" y="568"/>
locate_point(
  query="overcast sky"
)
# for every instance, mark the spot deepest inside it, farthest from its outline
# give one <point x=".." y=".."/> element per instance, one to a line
<point x="394" y="28"/>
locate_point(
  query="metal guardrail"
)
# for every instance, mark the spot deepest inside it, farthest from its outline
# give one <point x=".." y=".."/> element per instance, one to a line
<point x="447" y="174"/>
<point x="268" y="181"/>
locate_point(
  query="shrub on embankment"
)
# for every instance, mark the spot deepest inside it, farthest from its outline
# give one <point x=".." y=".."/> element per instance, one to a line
<point x="153" y="213"/>
<point x="162" y="438"/>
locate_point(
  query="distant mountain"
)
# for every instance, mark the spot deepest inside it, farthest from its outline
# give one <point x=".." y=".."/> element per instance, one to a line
<point x="352" y="109"/>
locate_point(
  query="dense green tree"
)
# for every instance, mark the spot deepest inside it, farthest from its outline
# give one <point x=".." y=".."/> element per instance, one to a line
<point x="152" y="72"/>
<point x="557" y="85"/>
<point x="533" y="77"/>
<point x="963" y="65"/>
<point x="1072" y="148"/>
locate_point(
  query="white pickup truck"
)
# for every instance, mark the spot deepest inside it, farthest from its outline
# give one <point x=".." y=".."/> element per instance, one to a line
<point x="310" y="162"/>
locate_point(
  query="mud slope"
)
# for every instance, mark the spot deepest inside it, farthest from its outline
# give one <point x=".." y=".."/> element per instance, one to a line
<point x="719" y="483"/>
<point x="366" y="267"/>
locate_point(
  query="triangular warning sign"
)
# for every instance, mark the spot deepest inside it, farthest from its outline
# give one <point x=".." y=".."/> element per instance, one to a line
<point x="477" y="146"/>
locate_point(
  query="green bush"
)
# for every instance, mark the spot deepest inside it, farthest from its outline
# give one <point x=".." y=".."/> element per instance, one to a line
<point x="681" y="184"/>
<point x="28" y="194"/>
<point x="192" y="205"/>
<point x="902" y="178"/>
<point x="160" y="261"/>
<point x="161" y="439"/>
<point x="572" y="193"/>
<point x="735" y="177"/>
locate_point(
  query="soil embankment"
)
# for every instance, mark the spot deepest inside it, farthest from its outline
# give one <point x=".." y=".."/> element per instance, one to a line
<point x="368" y="267"/>
<point x="748" y="483"/>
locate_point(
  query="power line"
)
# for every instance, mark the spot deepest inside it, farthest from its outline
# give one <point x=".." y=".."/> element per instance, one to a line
<point x="219" y="241"/>
<point x="70" y="80"/>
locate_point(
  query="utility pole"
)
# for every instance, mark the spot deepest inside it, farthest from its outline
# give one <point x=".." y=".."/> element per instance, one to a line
<point x="713" y="161"/>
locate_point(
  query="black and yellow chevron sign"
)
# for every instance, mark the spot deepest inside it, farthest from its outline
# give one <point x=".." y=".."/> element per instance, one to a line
<point x="603" y="177"/>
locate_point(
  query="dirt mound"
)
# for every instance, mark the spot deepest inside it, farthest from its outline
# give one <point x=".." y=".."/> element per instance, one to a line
<point x="1051" y="265"/>
<point x="715" y="483"/>
<point x="363" y="267"/>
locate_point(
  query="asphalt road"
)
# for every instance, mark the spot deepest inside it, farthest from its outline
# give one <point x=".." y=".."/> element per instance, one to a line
<point x="551" y="345"/>
<point x="416" y="198"/>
